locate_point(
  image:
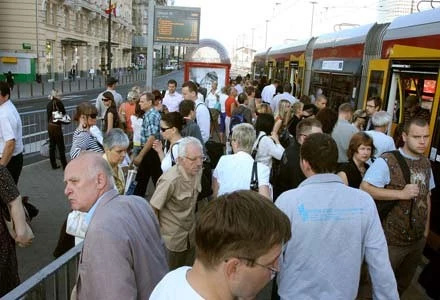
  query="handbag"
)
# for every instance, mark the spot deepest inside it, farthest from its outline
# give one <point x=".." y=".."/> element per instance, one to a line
<point x="58" y="116"/>
<point x="9" y="221"/>
<point x="130" y="182"/>
<point x="44" y="148"/>
<point x="254" y="178"/>
<point x="76" y="224"/>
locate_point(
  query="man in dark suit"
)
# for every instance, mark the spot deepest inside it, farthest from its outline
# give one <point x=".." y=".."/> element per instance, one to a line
<point x="123" y="255"/>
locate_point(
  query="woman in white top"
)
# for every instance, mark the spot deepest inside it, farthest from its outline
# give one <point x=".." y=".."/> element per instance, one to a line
<point x="267" y="145"/>
<point x="212" y="98"/>
<point x="234" y="172"/>
<point x="170" y="127"/>
<point x="136" y="124"/>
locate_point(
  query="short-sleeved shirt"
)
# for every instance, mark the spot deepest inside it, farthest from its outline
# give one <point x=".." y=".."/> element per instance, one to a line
<point x="382" y="142"/>
<point x="234" y="172"/>
<point x="228" y="105"/>
<point x="150" y="125"/>
<point x="176" y="197"/>
<point x="10" y="127"/>
<point x="378" y="174"/>
<point x="175" y="286"/>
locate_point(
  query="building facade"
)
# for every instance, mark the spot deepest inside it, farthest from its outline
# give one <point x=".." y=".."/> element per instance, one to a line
<point x="54" y="37"/>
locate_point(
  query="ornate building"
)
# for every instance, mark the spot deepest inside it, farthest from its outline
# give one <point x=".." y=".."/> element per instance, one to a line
<point x="50" y="37"/>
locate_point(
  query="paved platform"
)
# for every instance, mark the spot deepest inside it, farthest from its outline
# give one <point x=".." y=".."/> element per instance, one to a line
<point x="45" y="189"/>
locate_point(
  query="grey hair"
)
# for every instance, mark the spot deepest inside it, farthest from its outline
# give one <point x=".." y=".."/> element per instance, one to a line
<point x="381" y="118"/>
<point x="244" y="134"/>
<point x="189" y="140"/>
<point x="96" y="163"/>
<point x="115" y="137"/>
<point x="55" y="93"/>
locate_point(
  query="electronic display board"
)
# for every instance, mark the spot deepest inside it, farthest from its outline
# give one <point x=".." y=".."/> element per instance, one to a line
<point x="173" y="24"/>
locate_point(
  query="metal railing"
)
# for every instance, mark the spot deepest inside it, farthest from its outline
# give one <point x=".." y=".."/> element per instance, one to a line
<point x="35" y="130"/>
<point x="66" y="86"/>
<point x="55" y="281"/>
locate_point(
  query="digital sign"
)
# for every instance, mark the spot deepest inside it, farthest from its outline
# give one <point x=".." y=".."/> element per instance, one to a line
<point x="180" y="25"/>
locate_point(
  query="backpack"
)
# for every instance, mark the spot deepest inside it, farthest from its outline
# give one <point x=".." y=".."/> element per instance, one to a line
<point x="235" y="120"/>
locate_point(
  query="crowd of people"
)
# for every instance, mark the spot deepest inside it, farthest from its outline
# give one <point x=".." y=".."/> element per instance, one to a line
<point x="318" y="202"/>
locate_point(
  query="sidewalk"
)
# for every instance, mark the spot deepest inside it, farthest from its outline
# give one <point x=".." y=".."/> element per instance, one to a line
<point x="45" y="189"/>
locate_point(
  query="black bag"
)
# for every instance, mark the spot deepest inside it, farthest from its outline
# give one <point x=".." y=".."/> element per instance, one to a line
<point x="254" y="178"/>
<point x="206" y="181"/>
<point x="215" y="150"/>
<point x="255" y="150"/>
<point x="384" y="207"/>
<point x="285" y="138"/>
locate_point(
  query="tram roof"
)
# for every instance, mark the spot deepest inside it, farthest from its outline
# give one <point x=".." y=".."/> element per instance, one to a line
<point x="352" y="36"/>
<point x="292" y="47"/>
<point x="262" y="53"/>
<point x="424" y="23"/>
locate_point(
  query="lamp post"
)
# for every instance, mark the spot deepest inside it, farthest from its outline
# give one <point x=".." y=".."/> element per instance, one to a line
<point x="109" y="41"/>
<point x="313" y="14"/>
<point x="265" y="40"/>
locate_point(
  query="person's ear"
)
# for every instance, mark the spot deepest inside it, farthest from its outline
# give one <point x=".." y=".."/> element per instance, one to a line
<point x="404" y="136"/>
<point x="231" y="268"/>
<point x="101" y="180"/>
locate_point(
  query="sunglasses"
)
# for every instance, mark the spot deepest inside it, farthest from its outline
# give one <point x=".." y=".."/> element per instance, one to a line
<point x="163" y="129"/>
<point x="106" y="99"/>
<point x="93" y="116"/>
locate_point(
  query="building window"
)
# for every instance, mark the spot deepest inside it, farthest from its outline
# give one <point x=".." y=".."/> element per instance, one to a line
<point x="66" y="19"/>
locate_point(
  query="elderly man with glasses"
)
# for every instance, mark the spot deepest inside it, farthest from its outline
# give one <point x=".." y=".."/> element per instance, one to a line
<point x="174" y="202"/>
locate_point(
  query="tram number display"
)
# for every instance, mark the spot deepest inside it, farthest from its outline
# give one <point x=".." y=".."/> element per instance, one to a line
<point x="333" y="65"/>
<point x="177" y="24"/>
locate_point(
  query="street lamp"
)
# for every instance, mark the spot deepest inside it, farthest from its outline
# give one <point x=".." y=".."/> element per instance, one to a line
<point x="313" y="14"/>
<point x="265" y="40"/>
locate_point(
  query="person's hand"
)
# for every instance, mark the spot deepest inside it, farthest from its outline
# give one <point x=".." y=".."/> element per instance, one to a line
<point x="410" y="191"/>
<point x="157" y="146"/>
<point x="23" y="240"/>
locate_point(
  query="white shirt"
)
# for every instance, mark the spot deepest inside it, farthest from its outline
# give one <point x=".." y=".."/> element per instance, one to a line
<point x="100" y="104"/>
<point x="223" y="98"/>
<point x="167" y="161"/>
<point x="172" y="101"/>
<point x="268" y="92"/>
<point x="203" y="119"/>
<point x="234" y="172"/>
<point x="211" y="99"/>
<point x="267" y="149"/>
<point x="239" y="89"/>
<point x="279" y="97"/>
<point x="175" y="286"/>
<point x="381" y="142"/>
<point x="10" y="127"/>
<point x="136" y="124"/>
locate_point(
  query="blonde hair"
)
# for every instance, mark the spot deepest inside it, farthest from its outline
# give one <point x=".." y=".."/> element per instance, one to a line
<point x="282" y="109"/>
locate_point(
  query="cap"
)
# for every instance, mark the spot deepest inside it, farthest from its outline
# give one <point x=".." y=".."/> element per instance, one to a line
<point x="111" y="80"/>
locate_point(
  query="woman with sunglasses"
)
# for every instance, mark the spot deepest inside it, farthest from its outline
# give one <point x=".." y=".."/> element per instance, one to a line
<point x="83" y="139"/>
<point x="111" y="117"/>
<point x="170" y="127"/>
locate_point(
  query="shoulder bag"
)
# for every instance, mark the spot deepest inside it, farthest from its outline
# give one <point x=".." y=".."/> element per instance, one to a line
<point x="254" y="178"/>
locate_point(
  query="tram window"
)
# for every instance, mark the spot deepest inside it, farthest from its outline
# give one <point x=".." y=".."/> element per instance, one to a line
<point x="375" y="84"/>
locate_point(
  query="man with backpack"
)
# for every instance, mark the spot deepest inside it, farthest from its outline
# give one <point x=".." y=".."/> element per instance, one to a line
<point x="203" y="117"/>
<point x="404" y="181"/>
<point x="241" y="114"/>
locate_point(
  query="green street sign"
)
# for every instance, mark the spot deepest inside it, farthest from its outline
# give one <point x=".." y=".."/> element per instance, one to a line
<point x="27" y="46"/>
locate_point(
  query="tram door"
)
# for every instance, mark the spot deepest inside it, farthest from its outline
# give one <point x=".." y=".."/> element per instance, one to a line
<point x="412" y="79"/>
<point x="377" y="79"/>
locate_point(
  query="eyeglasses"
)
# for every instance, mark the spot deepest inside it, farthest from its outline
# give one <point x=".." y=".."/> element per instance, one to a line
<point x="163" y="129"/>
<point x="370" y="106"/>
<point x="202" y="158"/>
<point x="272" y="270"/>
<point x="93" y="116"/>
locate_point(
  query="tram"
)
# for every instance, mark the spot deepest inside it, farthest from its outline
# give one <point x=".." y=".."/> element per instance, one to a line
<point x="391" y="60"/>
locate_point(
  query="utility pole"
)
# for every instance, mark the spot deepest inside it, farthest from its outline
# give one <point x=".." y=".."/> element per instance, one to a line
<point x="109" y="41"/>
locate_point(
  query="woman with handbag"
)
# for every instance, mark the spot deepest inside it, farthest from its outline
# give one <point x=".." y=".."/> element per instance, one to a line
<point x="12" y="209"/>
<point x="55" y="110"/>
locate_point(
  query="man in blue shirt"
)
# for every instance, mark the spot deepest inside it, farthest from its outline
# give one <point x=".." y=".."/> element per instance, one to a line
<point x="334" y="228"/>
<point x="148" y="161"/>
